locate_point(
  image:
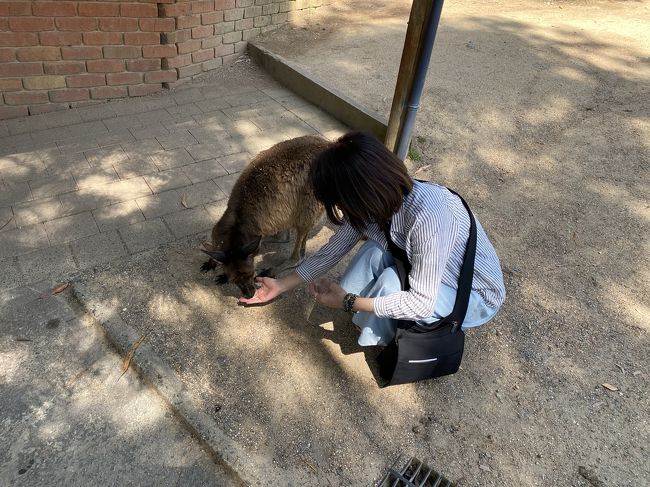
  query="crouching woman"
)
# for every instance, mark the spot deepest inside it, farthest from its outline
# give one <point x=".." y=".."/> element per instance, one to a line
<point x="365" y="190"/>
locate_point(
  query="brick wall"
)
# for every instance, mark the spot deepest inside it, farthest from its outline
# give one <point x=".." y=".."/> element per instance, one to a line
<point x="59" y="54"/>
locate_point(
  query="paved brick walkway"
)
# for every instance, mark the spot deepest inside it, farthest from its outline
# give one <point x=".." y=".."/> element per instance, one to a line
<point x="86" y="186"/>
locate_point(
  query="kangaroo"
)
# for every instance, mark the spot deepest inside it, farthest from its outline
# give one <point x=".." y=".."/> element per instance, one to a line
<point x="272" y="194"/>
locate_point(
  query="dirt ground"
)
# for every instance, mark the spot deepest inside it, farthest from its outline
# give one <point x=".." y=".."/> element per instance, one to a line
<point x="538" y="113"/>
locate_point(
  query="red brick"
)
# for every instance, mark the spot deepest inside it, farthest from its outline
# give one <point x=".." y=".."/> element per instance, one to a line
<point x="54" y="9"/>
<point x="118" y="25"/>
<point x="224" y="4"/>
<point x="94" y="9"/>
<point x="189" y="46"/>
<point x="7" y="54"/>
<point x="102" y="92"/>
<point x="26" y="97"/>
<point x="142" y="90"/>
<point x="203" y="55"/>
<point x="85" y="80"/>
<point x="178" y="36"/>
<point x="179" y="61"/>
<point x="161" y="76"/>
<point x="141" y="38"/>
<point x="159" y="51"/>
<point x="60" y="38"/>
<point x="17" y="39"/>
<point x="81" y="24"/>
<point x="38" y="53"/>
<point x="138" y="10"/>
<point x="212" y="18"/>
<point x="176" y="10"/>
<point x="10" y="70"/>
<point x="123" y="78"/>
<point x="9" y="84"/>
<point x="70" y="94"/>
<point x="102" y="38"/>
<point x="143" y="65"/>
<point x="209" y="42"/>
<point x="81" y="52"/>
<point x="4" y="24"/>
<point x="224" y="50"/>
<point x="203" y="31"/>
<point x="30" y="24"/>
<point x="43" y="82"/>
<point x="105" y="66"/>
<point x="15" y="8"/>
<point x="122" y="52"/>
<point x="12" y="112"/>
<point x="203" y="6"/>
<point x="188" y="21"/>
<point x="157" y="25"/>
<point x="70" y="67"/>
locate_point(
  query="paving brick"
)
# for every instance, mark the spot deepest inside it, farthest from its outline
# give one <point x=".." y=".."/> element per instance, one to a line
<point x="200" y="194"/>
<point x="235" y="162"/>
<point x="217" y="209"/>
<point x="11" y="275"/>
<point x="166" y="180"/>
<point x="135" y="167"/>
<point x="64" y="163"/>
<point x="211" y="133"/>
<point x="159" y="204"/>
<point x="223" y="147"/>
<point x="142" y="148"/>
<point x="189" y="222"/>
<point x="187" y="109"/>
<point x="154" y="117"/>
<point x="15" y="169"/>
<point x="227" y="182"/>
<point x="84" y="200"/>
<point x="175" y="140"/>
<point x="47" y="264"/>
<point x="118" y="215"/>
<point x="127" y="189"/>
<point x="204" y="171"/>
<point x="98" y="249"/>
<point x="12" y="193"/>
<point x="94" y="176"/>
<point x="171" y="158"/>
<point x="52" y="186"/>
<point x="71" y="228"/>
<point x="145" y="235"/>
<point x="307" y="112"/>
<point x="106" y="157"/>
<point x="7" y="220"/>
<point x="325" y="124"/>
<point x="23" y="240"/>
<point x="37" y="211"/>
<point x="123" y="122"/>
<point x="115" y="138"/>
<point x="77" y="145"/>
<point x="149" y="132"/>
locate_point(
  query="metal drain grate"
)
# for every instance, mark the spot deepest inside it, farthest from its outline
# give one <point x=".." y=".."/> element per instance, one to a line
<point x="414" y="474"/>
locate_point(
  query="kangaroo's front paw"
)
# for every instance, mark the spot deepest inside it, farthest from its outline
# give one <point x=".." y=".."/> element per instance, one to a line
<point x="208" y="266"/>
<point x="221" y="279"/>
<point x="266" y="272"/>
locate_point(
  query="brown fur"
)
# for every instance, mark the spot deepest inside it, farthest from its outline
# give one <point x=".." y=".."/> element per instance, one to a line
<point x="273" y="193"/>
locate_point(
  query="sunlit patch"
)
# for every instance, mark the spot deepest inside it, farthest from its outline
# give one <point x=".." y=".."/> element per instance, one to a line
<point x="627" y="301"/>
<point x="10" y="363"/>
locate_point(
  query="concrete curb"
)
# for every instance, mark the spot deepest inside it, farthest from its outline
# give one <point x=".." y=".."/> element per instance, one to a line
<point x="244" y="467"/>
<point x="315" y="91"/>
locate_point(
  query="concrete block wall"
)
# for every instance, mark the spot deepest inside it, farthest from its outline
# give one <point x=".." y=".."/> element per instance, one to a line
<point x="60" y="54"/>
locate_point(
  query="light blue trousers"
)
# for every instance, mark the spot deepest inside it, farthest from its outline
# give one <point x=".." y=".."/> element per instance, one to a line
<point x="372" y="273"/>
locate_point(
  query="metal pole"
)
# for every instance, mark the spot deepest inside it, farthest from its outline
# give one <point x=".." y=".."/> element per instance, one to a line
<point x="404" y="137"/>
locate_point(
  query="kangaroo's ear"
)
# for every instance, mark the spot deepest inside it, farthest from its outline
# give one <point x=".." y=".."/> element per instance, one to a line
<point x="251" y="246"/>
<point x="217" y="255"/>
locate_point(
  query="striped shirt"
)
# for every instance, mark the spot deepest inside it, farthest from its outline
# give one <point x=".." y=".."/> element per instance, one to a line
<point x="433" y="227"/>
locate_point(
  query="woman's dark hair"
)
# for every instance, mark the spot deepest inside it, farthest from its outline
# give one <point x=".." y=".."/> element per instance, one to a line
<point x="359" y="176"/>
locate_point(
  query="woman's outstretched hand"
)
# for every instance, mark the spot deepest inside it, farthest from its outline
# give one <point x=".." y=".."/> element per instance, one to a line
<point x="269" y="289"/>
<point x="327" y="293"/>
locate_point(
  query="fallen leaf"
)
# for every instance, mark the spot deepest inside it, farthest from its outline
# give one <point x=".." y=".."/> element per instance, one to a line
<point x="60" y="288"/>
<point x="129" y="356"/>
<point x="184" y="200"/>
<point x="21" y="339"/>
<point x="426" y="166"/>
<point x="636" y="372"/>
<point x="609" y="387"/>
<point x="485" y="468"/>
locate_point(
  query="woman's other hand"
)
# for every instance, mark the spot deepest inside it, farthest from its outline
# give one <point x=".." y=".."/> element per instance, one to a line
<point x="327" y="293"/>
